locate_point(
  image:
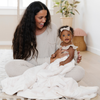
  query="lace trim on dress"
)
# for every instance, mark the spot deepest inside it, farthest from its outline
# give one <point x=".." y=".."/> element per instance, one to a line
<point x="67" y="47"/>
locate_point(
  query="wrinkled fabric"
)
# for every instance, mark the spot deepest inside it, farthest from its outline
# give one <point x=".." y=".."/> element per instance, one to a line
<point x="47" y="81"/>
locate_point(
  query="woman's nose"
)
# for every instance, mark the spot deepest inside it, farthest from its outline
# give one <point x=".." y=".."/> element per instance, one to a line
<point x="44" y="20"/>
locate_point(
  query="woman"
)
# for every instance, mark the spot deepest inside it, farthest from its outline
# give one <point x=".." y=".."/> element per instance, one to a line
<point x="34" y="41"/>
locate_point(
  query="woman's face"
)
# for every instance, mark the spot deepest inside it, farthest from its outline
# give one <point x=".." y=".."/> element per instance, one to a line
<point x="40" y="18"/>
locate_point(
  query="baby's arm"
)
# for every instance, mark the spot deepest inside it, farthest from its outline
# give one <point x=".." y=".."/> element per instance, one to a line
<point x="71" y="56"/>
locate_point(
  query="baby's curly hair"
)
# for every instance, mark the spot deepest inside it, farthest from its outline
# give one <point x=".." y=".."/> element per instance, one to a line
<point x="24" y="40"/>
<point x="71" y="29"/>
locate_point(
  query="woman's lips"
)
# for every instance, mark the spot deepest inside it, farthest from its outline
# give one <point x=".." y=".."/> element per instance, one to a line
<point x="42" y="24"/>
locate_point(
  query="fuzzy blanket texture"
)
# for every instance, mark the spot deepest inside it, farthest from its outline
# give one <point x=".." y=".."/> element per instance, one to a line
<point x="45" y="81"/>
<point x="5" y="56"/>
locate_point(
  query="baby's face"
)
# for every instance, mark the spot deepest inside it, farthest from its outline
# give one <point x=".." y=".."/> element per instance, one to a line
<point x="66" y="36"/>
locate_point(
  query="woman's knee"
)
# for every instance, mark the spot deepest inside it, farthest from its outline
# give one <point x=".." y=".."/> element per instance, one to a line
<point x="77" y="73"/>
<point x="16" y="67"/>
<point x="80" y="73"/>
<point x="9" y="67"/>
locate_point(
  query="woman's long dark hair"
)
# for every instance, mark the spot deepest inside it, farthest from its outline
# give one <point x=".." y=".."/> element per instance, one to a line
<point x="24" y="40"/>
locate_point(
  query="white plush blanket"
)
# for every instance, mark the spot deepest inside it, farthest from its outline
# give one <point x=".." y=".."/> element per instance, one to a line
<point x="47" y="82"/>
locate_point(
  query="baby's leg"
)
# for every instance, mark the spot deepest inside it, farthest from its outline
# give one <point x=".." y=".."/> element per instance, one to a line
<point x="77" y="73"/>
<point x="17" y="67"/>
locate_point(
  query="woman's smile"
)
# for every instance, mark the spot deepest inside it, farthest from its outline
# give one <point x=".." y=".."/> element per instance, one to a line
<point x="41" y="24"/>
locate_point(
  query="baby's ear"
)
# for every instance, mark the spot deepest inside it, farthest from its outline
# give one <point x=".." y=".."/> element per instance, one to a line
<point x="72" y="35"/>
<point x="60" y="38"/>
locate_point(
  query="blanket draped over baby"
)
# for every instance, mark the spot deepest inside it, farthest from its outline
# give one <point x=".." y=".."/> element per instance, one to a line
<point x="47" y="81"/>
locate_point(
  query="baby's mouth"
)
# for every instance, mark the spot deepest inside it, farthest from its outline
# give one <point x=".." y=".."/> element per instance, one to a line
<point x="66" y="39"/>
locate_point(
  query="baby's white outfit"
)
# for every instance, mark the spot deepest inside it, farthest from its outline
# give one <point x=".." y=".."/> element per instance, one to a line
<point x="47" y="81"/>
<point x="67" y="47"/>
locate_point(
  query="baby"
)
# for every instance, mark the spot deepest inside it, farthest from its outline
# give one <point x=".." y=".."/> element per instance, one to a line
<point x="66" y="34"/>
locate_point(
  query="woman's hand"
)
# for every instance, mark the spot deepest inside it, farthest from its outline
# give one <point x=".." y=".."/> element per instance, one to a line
<point x="58" y="54"/>
<point x="79" y="57"/>
<point x="53" y="55"/>
<point x="61" y="63"/>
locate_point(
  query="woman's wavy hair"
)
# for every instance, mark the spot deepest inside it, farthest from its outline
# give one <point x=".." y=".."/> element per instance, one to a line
<point x="24" y="40"/>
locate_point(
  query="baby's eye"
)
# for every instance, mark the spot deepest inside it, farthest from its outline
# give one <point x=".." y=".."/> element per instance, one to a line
<point x="63" y="35"/>
<point x="68" y="34"/>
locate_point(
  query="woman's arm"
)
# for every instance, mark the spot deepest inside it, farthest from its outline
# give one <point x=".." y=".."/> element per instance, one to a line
<point x="71" y="56"/>
<point x="38" y="61"/>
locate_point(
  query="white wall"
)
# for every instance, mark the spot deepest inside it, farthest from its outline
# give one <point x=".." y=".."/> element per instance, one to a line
<point x="7" y="27"/>
<point x="89" y="21"/>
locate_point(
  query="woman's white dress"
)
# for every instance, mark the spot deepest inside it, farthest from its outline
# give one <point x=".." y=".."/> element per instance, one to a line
<point x="47" y="81"/>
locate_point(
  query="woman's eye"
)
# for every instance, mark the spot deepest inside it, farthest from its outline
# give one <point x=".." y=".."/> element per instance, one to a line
<point x="68" y="34"/>
<point x="40" y="17"/>
<point x="63" y="35"/>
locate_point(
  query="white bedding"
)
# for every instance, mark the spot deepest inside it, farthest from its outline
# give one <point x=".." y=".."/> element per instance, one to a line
<point x="5" y="56"/>
<point x="47" y="82"/>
